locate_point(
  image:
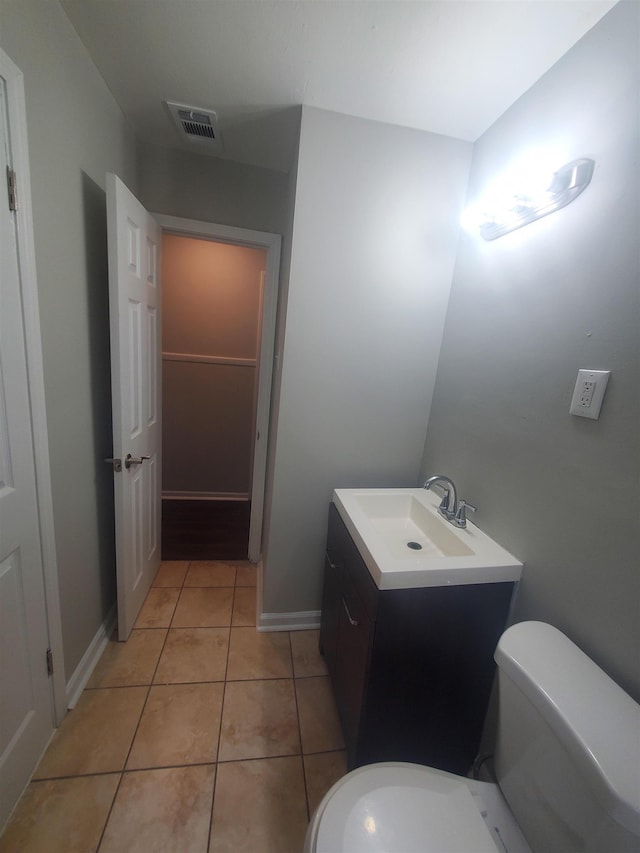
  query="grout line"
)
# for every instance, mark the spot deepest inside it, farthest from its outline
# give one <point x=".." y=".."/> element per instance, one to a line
<point x="179" y="683"/>
<point x="152" y="767"/>
<point x="224" y="692"/>
<point x="233" y="606"/>
<point x="144" y="705"/>
<point x="122" y="772"/>
<point x="309" y="677"/>
<point x="259" y="678"/>
<point x="178" y="766"/>
<point x="323" y="751"/>
<point x="295" y="694"/>
<point x="113" y="801"/>
<point x="149" y="687"/>
<point x="155" y="669"/>
<point x="76" y="776"/>
<point x="260" y="758"/>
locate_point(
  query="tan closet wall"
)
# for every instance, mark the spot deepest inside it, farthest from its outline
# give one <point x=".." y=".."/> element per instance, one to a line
<point x="210" y="339"/>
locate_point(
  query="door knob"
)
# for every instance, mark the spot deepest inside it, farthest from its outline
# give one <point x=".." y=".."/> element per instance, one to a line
<point x="116" y="463"/>
<point x="134" y="460"/>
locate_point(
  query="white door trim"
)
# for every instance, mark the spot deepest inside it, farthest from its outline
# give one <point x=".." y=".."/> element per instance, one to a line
<point x="16" y="105"/>
<point x="272" y="244"/>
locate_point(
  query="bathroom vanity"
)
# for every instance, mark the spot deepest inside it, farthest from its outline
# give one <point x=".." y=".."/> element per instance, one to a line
<point x="411" y="665"/>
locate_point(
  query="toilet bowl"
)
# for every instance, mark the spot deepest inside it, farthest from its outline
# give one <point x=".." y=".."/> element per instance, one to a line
<point x="409" y="808"/>
<point x="567" y="763"/>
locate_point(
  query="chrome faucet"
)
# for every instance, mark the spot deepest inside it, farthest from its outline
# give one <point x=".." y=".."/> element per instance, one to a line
<point x="449" y="508"/>
<point x="449" y="503"/>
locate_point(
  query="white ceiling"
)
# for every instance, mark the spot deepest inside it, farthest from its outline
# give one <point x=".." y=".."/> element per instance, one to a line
<point x="450" y="67"/>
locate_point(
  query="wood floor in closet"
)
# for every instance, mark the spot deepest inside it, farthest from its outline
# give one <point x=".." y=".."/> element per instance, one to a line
<point x="205" y="530"/>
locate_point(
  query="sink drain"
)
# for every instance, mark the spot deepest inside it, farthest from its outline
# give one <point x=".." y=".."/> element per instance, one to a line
<point x="415" y="546"/>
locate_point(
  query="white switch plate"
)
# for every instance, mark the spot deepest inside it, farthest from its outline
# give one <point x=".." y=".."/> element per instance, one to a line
<point x="588" y="393"/>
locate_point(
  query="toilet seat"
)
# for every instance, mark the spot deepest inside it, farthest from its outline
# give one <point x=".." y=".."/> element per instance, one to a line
<point x="381" y="808"/>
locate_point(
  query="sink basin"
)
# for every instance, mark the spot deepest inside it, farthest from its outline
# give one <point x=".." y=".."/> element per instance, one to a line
<point x="406" y="543"/>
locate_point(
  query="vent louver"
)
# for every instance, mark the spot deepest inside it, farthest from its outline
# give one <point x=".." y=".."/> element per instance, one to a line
<point x="196" y="125"/>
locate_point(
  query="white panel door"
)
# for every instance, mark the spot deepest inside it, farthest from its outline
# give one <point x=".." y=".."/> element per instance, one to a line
<point x="134" y="305"/>
<point x="26" y="713"/>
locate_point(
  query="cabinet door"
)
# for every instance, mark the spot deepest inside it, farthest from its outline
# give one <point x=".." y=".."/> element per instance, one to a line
<point x="352" y="667"/>
<point x="331" y="604"/>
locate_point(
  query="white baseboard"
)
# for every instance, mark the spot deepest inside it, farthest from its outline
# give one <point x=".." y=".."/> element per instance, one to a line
<point x="303" y="620"/>
<point x="82" y="672"/>
<point x="205" y="496"/>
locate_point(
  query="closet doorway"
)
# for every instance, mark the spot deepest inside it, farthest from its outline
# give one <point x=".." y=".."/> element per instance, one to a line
<point x="218" y="325"/>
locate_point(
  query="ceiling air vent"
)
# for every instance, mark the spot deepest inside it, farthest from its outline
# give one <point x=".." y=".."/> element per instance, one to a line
<point x="196" y="126"/>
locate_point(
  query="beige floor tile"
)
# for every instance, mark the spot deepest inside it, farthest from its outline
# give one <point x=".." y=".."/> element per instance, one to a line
<point x="171" y="573"/>
<point x="319" y="724"/>
<point x="193" y="654"/>
<point x="307" y="660"/>
<point x="244" y="606"/>
<point x="246" y="574"/>
<point x="180" y="725"/>
<point x="131" y="663"/>
<point x="259" y="807"/>
<point x="203" y="608"/>
<point x="161" y="811"/>
<point x="61" y="816"/>
<point x="321" y="772"/>
<point x="254" y="655"/>
<point x="158" y="608"/>
<point x="258" y="720"/>
<point x="210" y="573"/>
<point x="95" y="737"/>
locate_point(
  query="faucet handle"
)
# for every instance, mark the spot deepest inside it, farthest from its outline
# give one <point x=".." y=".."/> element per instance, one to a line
<point x="460" y="519"/>
<point x="444" y="503"/>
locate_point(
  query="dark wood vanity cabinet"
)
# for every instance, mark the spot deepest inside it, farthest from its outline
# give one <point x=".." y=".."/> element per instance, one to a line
<point x="411" y="669"/>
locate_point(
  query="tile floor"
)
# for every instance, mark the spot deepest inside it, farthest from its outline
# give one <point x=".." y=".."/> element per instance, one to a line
<point x="198" y="734"/>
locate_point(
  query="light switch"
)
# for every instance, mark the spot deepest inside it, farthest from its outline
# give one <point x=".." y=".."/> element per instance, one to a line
<point x="588" y="393"/>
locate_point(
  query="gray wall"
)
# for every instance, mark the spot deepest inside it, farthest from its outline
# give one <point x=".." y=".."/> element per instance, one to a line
<point x="374" y="232"/>
<point x="209" y="189"/>
<point x="211" y="301"/>
<point x="207" y="429"/>
<point x="283" y="294"/>
<point x="528" y="310"/>
<point x="76" y="134"/>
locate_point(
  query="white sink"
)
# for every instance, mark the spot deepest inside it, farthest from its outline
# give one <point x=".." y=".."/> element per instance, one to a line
<point x="406" y="543"/>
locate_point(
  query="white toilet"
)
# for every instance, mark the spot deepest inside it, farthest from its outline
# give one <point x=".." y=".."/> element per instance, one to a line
<point x="567" y="762"/>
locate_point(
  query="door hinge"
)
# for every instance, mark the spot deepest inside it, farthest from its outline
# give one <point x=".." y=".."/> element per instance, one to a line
<point x="49" y="662"/>
<point x="12" y="189"/>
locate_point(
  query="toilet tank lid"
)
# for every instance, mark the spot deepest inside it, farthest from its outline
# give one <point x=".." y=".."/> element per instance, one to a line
<point x="598" y="723"/>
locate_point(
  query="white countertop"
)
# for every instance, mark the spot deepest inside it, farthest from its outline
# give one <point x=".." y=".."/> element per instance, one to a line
<point x="382" y="522"/>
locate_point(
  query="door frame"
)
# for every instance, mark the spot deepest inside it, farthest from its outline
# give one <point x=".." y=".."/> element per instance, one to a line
<point x="16" y="105"/>
<point x="272" y="244"/>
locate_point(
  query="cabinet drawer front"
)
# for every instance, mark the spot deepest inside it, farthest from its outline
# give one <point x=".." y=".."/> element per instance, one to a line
<point x="331" y="604"/>
<point x="342" y="547"/>
<point x="352" y="671"/>
<point x="353" y="606"/>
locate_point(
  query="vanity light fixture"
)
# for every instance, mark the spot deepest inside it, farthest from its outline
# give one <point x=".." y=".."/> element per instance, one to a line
<point x="507" y="212"/>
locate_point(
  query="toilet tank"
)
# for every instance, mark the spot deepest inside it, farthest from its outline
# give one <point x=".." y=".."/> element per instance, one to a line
<point x="568" y="746"/>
